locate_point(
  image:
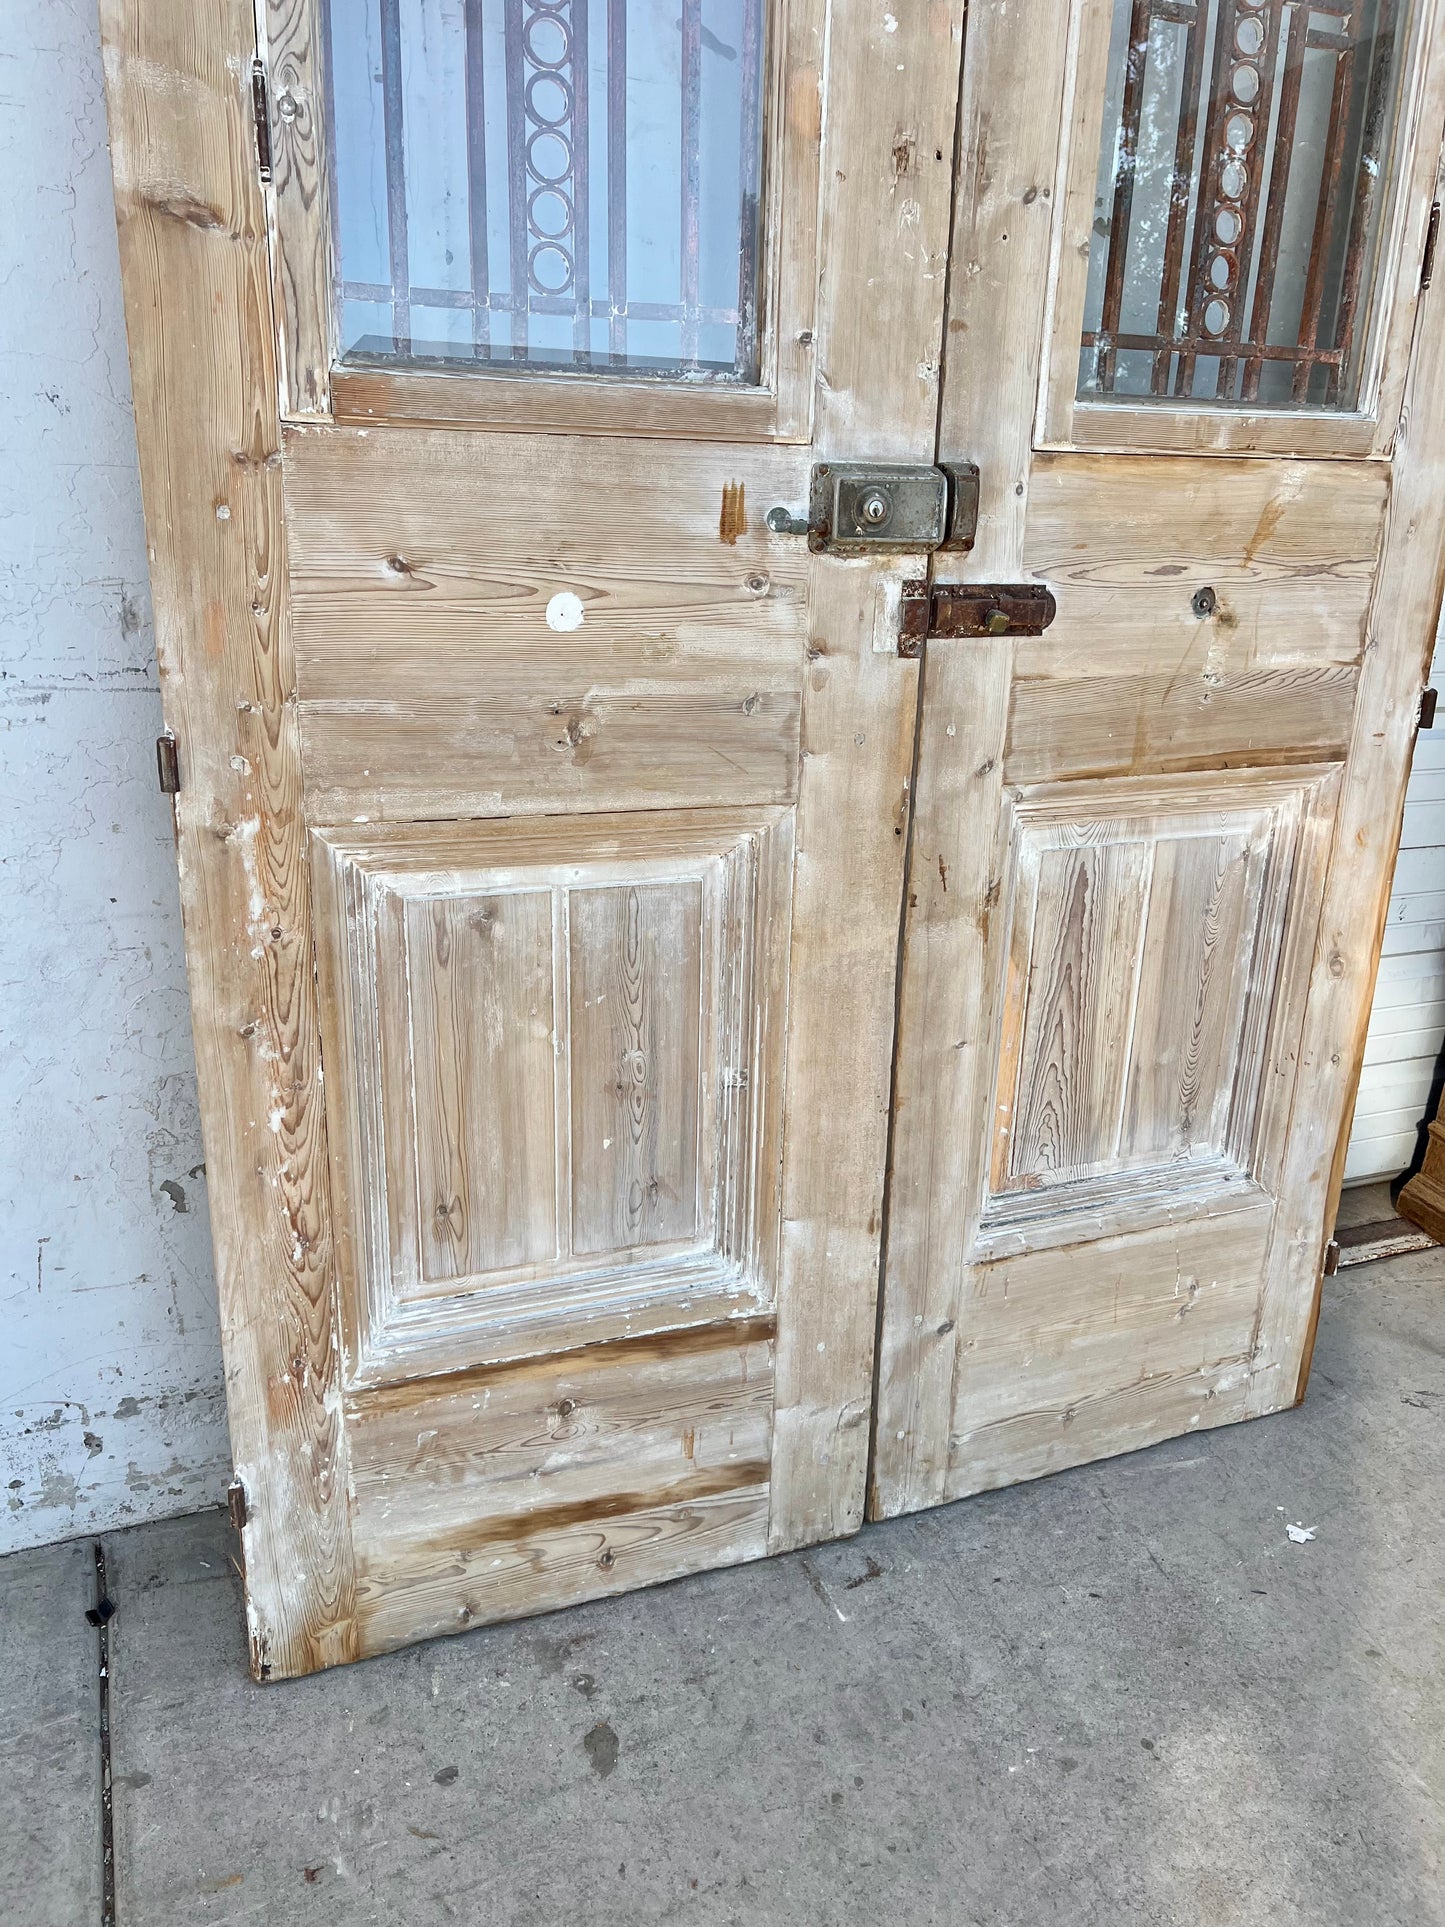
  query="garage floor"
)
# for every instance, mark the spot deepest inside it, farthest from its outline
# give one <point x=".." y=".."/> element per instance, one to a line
<point x="1121" y="1695"/>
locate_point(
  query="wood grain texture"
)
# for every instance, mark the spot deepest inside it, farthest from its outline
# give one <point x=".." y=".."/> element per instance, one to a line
<point x="892" y="88"/>
<point x="636" y="1079"/>
<point x="555" y="1051"/>
<point x="1002" y="235"/>
<point x="1073" y="973"/>
<point x="477" y="974"/>
<point x="300" y="196"/>
<point x="432" y="682"/>
<point x="494" y="1493"/>
<point x="1172" y="1355"/>
<point x="198" y="312"/>
<point x="1131" y="678"/>
<point x="1400" y="635"/>
<point x="1140" y="951"/>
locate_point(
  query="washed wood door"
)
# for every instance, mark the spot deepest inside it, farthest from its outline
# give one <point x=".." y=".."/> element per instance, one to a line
<point x="1152" y="845"/>
<point x="541" y="814"/>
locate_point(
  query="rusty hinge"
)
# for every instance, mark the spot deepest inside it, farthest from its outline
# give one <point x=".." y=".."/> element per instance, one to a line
<point x="261" y="113"/>
<point x="950" y="610"/>
<point x="1432" y="236"/>
<point x="1428" y="698"/>
<point x="1332" y="1257"/>
<point x="168" y="765"/>
<point x="236" y="1504"/>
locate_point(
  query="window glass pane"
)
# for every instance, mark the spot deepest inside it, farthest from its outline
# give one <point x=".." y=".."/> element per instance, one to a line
<point x="1240" y="193"/>
<point x="544" y="184"/>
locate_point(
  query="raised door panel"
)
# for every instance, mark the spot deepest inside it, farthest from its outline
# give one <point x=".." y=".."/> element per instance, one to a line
<point x="556" y="1072"/>
<point x="1146" y="985"/>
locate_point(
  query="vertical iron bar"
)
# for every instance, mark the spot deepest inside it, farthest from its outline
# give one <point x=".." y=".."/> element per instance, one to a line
<point x="1179" y="199"/>
<point x="517" y="174"/>
<point x="691" y="173"/>
<point x="1129" y="114"/>
<point x="617" y="180"/>
<point x="393" y="127"/>
<point x="746" y="345"/>
<point x="1279" y="172"/>
<point x="1258" y="111"/>
<point x="1211" y="163"/>
<point x="1325" y="209"/>
<point x="580" y="187"/>
<point x="1369" y="185"/>
<point x="477" y="177"/>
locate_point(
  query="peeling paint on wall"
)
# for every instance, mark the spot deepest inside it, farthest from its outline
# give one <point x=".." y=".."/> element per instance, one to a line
<point x="111" y="1400"/>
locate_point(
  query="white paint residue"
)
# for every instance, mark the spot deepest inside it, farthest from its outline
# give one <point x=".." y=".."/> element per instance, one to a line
<point x="1300" y="1535"/>
<point x="565" y="612"/>
<point x="890" y="23"/>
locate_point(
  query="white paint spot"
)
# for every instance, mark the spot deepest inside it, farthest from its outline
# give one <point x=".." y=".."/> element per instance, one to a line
<point x="223" y="514"/>
<point x="890" y="23"/>
<point x="565" y="612"/>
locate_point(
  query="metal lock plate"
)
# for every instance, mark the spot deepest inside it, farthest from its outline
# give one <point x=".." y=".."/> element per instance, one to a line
<point x="863" y="508"/>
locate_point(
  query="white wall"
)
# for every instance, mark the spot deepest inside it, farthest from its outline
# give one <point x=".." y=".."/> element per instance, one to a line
<point x="1407" y="1024"/>
<point x="111" y="1407"/>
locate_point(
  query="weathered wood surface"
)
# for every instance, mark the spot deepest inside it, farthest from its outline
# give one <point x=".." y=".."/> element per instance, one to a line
<point x="433" y="681"/>
<point x="892" y="95"/>
<point x="556" y="1063"/>
<point x="1127" y="1003"/>
<point x="1400" y="635"/>
<point x="495" y="1493"/>
<point x="198" y="312"/>
<point x="300" y="198"/>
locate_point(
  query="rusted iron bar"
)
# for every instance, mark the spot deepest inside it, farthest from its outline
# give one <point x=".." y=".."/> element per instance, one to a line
<point x="1289" y="94"/>
<point x="1122" y="216"/>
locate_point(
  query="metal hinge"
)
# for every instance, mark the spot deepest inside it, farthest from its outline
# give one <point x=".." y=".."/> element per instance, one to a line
<point x="261" y="112"/>
<point x="1428" y="699"/>
<point x="236" y="1504"/>
<point x="1332" y="1257"/>
<point x="1432" y="236"/>
<point x="168" y="765"/>
<point x="950" y="610"/>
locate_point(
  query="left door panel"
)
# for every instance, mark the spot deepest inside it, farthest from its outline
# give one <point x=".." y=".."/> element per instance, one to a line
<point x="541" y="829"/>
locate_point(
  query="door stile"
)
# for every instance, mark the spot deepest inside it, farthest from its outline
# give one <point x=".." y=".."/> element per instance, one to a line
<point x="892" y="98"/>
<point x="1399" y="642"/>
<point x="193" y="245"/>
<point x="1002" y="236"/>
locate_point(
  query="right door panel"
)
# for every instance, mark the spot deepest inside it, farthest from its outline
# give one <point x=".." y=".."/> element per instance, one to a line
<point x="1151" y="847"/>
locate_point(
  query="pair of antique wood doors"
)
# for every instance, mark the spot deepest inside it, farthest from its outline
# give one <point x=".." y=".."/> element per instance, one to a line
<point x="683" y="954"/>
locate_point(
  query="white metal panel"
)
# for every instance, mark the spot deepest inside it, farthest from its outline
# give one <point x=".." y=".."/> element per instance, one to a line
<point x="1407" y="1023"/>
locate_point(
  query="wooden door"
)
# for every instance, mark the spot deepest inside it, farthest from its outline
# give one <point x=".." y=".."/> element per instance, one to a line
<point x="541" y="814"/>
<point x="1150" y="860"/>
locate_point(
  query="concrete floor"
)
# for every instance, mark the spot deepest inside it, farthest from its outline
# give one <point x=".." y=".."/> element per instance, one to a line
<point x="1117" y="1696"/>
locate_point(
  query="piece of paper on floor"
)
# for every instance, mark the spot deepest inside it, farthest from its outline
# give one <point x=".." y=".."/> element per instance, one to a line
<point x="1300" y="1534"/>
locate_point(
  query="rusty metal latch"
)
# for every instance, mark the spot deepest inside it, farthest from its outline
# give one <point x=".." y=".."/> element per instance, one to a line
<point x="1428" y="699"/>
<point x="949" y="610"/>
<point x="864" y="508"/>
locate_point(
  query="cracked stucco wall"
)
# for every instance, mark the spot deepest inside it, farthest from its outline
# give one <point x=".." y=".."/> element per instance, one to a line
<point x="111" y="1402"/>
